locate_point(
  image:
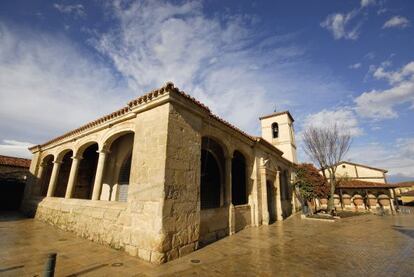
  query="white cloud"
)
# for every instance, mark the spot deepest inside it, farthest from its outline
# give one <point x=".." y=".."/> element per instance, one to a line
<point x="15" y="148"/>
<point x="366" y="3"/>
<point x="339" y="25"/>
<point x="393" y="77"/>
<point x="76" y="9"/>
<point x="397" y="157"/>
<point x="49" y="86"/>
<point x="343" y="117"/>
<point x="222" y="61"/>
<point x="380" y="104"/>
<point x="369" y="55"/>
<point x="355" y="66"/>
<point x="396" y="22"/>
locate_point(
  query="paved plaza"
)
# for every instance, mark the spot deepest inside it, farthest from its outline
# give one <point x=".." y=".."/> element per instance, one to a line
<point x="365" y="245"/>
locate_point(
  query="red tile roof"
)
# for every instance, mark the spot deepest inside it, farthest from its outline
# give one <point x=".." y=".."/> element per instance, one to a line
<point x="405" y="184"/>
<point x="408" y="193"/>
<point x="14" y="161"/>
<point x="363" y="184"/>
<point x="169" y="87"/>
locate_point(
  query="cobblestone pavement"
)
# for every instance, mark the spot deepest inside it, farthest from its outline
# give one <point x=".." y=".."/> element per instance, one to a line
<point x="366" y="245"/>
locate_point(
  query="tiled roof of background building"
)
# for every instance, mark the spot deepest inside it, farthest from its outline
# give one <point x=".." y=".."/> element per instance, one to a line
<point x="364" y="184"/>
<point x="14" y="161"/>
<point x="405" y="184"/>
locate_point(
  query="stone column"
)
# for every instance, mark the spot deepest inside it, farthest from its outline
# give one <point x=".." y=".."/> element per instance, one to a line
<point x="72" y="176"/>
<point x="392" y="201"/>
<point x="228" y="189"/>
<point x="293" y="193"/>
<point x="228" y="195"/>
<point x="53" y="178"/>
<point x="278" y="200"/>
<point x="97" y="186"/>
<point x="38" y="182"/>
<point x="265" y="208"/>
<point x="232" y="220"/>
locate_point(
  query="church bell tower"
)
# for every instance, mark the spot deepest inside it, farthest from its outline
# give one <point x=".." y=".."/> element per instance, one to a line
<point x="277" y="128"/>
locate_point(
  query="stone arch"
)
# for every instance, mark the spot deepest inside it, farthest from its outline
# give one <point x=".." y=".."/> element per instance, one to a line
<point x="65" y="157"/>
<point x="119" y="146"/>
<point x="212" y="173"/>
<point x="81" y="145"/>
<point x="123" y="179"/>
<point x="115" y="132"/>
<point x="44" y="179"/>
<point x="87" y="170"/>
<point x="239" y="178"/>
<point x="61" y="152"/>
<point x="227" y="149"/>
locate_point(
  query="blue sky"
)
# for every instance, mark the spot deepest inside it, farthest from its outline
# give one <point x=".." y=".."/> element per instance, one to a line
<point x="63" y="63"/>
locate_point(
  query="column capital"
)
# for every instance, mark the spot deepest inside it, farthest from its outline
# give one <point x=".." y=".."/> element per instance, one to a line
<point x="103" y="151"/>
<point x="57" y="162"/>
<point x="228" y="157"/>
<point x="77" y="157"/>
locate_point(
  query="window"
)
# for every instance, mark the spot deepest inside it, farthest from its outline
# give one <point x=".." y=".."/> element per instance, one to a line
<point x="123" y="182"/>
<point x="212" y="174"/>
<point x="238" y="173"/>
<point x="275" y="130"/>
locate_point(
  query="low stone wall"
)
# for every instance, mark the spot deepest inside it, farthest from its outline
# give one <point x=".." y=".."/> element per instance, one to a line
<point x="99" y="221"/>
<point x="213" y="225"/>
<point x="242" y="216"/>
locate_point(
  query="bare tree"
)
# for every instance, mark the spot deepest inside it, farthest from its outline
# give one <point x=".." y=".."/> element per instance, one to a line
<point x="326" y="147"/>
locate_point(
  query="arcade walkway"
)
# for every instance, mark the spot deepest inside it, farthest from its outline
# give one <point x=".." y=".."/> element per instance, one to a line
<point x="365" y="245"/>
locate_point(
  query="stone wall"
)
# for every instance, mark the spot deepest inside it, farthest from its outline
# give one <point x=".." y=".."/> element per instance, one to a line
<point x="99" y="221"/>
<point x="181" y="217"/>
<point x="242" y="216"/>
<point x="145" y="237"/>
<point x="214" y="224"/>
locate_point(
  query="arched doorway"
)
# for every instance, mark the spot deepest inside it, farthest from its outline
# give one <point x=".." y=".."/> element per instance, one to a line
<point x="86" y="173"/>
<point x="47" y="164"/>
<point x="123" y="180"/>
<point x="62" y="181"/>
<point x="118" y="167"/>
<point x="285" y="194"/>
<point x="271" y="201"/>
<point x="210" y="181"/>
<point x="214" y="223"/>
<point x="238" y="175"/>
<point x="212" y="174"/>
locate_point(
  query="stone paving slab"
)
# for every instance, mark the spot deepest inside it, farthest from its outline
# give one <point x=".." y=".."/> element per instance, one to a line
<point x="364" y="245"/>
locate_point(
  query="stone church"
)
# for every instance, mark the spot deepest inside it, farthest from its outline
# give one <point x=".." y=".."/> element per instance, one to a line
<point x="163" y="176"/>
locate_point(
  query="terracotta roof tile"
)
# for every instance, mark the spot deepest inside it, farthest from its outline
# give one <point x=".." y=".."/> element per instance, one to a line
<point x="405" y="184"/>
<point x="363" y="184"/>
<point x="14" y="161"/>
<point x="408" y="193"/>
